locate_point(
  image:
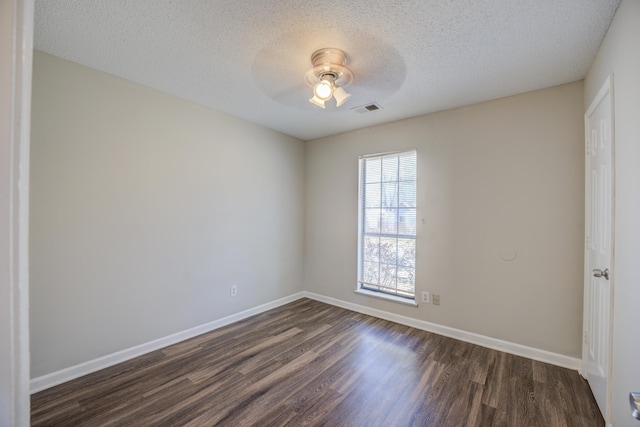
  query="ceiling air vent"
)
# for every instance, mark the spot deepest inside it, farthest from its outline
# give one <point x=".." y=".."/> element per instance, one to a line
<point x="367" y="108"/>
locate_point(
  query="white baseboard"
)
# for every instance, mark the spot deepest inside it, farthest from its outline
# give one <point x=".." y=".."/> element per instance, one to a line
<point x="470" y="337"/>
<point x="46" y="381"/>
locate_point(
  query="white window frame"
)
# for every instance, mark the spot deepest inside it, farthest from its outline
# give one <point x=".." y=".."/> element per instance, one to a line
<point x="374" y="289"/>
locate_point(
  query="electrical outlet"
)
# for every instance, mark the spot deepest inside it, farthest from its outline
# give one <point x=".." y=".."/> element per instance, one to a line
<point x="233" y="291"/>
<point x="425" y="297"/>
<point x="436" y="299"/>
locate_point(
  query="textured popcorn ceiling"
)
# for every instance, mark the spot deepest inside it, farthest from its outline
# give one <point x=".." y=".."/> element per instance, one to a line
<point x="247" y="58"/>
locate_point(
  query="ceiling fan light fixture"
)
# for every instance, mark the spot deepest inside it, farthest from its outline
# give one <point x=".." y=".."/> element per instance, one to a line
<point x="340" y="95"/>
<point x="323" y="89"/>
<point x="328" y="77"/>
<point x="317" y="101"/>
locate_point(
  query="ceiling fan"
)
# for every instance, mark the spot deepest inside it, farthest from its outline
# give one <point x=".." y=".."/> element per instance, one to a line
<point x="328" y="77"/>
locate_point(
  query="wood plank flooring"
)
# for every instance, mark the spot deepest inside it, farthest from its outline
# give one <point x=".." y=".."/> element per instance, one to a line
<point x="312" y="364"/>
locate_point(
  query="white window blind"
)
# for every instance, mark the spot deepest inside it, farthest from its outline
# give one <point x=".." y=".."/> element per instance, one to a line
<point x="387" y="223"/>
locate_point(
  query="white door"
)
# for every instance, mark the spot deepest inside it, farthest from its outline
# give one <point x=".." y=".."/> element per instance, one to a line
<point x="596" y="347"/>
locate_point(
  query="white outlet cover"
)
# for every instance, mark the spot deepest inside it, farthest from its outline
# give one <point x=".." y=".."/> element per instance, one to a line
<point x="425" y="297"/>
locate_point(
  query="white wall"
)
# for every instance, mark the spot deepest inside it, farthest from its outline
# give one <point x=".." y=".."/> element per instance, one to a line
<point x="506" y="173"/>
<point x="619" y="55"/>
<point x="145" y="208"/>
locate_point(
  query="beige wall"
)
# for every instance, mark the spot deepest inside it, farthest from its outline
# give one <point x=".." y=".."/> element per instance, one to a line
<point x="144" y="210"/>
<point x="507" y="173"/>
<point x="619" y="55"/>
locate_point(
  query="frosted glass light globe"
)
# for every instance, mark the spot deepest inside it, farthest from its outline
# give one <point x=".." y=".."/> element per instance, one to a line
<point x="323" y="90"/>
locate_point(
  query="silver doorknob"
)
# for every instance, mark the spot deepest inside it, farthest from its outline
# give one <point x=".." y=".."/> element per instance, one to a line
<point x="634" y="400"/>
<point x="599" y="273"/>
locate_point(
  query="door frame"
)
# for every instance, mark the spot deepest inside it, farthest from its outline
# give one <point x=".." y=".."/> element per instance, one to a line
<point x="16" y="53"/>
<point x="606" y="89"/>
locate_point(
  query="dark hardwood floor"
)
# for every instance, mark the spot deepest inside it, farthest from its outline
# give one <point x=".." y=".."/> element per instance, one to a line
<point x="309" y="363"/>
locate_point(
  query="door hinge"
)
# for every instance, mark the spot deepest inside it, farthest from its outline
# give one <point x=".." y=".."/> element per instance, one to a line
<point x="586" y="337"/>
<point x="587" y="242"/>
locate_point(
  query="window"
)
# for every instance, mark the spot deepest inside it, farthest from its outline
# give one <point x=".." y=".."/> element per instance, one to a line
<point x="387" y="224"/>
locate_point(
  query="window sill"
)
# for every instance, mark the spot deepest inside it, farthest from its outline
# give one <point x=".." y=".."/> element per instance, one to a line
<point x="392" y="298"/>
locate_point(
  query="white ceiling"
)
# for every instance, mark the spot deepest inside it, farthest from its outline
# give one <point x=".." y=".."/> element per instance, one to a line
<point x="247" y="58"/>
